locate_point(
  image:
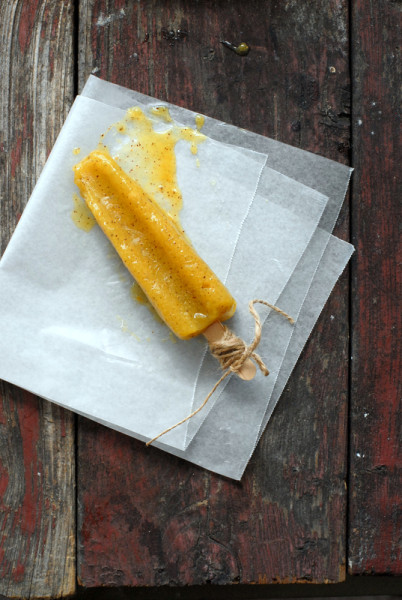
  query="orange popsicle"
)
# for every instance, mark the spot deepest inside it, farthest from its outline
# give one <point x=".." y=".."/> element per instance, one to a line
<point x="185" y="292"/>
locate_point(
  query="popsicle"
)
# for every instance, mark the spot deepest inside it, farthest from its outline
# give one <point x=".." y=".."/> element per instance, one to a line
<point x="183" y="289"/>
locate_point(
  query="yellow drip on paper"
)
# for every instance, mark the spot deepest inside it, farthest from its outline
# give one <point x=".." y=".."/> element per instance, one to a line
<point x="81" y="215"/>
<point x="199" y="122"/>
<point x="162" y="112"/>
<point x="149" y="157"/>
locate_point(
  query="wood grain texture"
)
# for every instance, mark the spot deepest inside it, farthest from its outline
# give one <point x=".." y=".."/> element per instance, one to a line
<point x="37" y="463"/>
<point x="376" y="466"/>
<point x="149" y="519"/>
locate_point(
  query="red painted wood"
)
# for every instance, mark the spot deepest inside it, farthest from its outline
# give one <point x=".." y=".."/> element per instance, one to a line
<point x="37" y="487"/>
<point x="145" y="517"/>
<point x="376" y="462"/>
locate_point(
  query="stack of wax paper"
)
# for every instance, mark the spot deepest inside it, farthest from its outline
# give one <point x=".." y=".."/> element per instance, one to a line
<point x="259" y="212"/>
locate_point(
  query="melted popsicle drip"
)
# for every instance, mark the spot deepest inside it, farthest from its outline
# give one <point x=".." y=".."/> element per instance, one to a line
<point x="149" y="154"/>
<point x="81" y="215"/>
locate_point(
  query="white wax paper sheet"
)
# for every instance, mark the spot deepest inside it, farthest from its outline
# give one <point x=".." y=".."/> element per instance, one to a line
<point x="255" y="273"/>
<point x="71" y="332"/>
<point x="321" y="174"/>
<point x="58" y="298"/>
<point x="224" y="441"/>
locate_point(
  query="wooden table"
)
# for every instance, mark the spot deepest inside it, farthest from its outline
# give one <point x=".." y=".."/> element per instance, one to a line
<point x="81" y="504"/>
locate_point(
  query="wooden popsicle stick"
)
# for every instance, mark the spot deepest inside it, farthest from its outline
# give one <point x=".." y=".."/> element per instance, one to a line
<point x="214" y="333"/>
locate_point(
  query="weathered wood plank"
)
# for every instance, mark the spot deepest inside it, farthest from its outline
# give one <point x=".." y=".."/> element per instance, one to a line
<point x="376" y="465"/>
<point x="147" y="518"/>
<point x="37" y="458"/>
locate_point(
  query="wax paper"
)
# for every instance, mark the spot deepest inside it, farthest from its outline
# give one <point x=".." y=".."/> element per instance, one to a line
<point x="304" y="296"/>
<point x="326" y="176"/>
<point x="70" y="330"/>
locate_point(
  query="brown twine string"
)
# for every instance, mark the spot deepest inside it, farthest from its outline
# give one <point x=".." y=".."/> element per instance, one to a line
<point x="232" y="352"/>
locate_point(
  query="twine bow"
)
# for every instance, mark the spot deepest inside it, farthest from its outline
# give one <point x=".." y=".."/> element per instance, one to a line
<point x="232" y="352"/>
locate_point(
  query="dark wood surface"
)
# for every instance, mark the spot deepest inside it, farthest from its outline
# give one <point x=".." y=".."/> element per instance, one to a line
<point x="376" y="411"/>
<point x="143" y="517"/>
<point x="37" y="449"/>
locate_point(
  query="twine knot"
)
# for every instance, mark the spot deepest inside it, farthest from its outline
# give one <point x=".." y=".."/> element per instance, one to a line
<point x="232" y="352"/>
